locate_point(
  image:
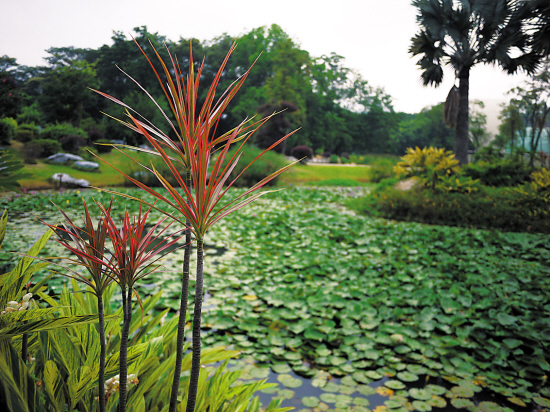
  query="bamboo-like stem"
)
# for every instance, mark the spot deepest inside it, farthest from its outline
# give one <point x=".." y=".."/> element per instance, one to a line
<point x="123" y="375"/>
<point x="101" y="379"/>
<point x="24" y="347"/>
<point x="196" y="362"/>
<point x="183" y="310"/>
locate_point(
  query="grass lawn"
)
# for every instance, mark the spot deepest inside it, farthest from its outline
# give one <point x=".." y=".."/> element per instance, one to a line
<point x="326" y="175"/>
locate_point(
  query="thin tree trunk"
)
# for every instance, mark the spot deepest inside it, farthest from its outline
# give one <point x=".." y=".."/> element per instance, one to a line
<point x="101" y="380"/>
<point x="24" y="347"/>
<point x="183" y="311"/>
<point x="196" y="362"/>
<point x="123" y="376"/>
<point x="461" y="133"/>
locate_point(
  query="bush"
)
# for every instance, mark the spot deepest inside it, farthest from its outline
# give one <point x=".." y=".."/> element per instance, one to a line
<point x="8" y="126"/>
<point x="26" y="132"/>
<point x="61" y="130"/>
<point x="490" y="154"/>
<point x="501" y="209"/>
<point x="31" y="151"/>
<point x="300" y="152"/>
<point x="95" y="135"/>
<point x="30" y="114"/>
<point x="48" y="146"/>
<point x="72" y="144"/>
<point x="264" y="166"/>
<point x="502" y="173"/>
<point x="99" y="146"/>
<point x="333" y="159"/>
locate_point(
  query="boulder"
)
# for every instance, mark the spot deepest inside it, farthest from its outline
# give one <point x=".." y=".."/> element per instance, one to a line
<point x="64" y="158"/>
<point x="67" y="180"/>
<point x="82" y="164"/>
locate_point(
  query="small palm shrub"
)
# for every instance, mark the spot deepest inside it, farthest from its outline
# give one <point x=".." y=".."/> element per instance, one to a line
<point x="429" y="164"/>
<point x="8" y="126"/>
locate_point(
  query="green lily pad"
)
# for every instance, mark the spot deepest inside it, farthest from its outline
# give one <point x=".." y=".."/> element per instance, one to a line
<point x="310" y="401"/>
<point x="392" y="404"/>
<point x="347" y="368"/>
<point x="436" y="389"/>
<point x="421" y="406"/>
<point x="328" y="397"/>
<point x="407" y="376"/>
<point x="402" y="349"/>
<point x="490" y="407"/>
<point x="373" y="375"/>
<point x="517" y="401"/>
<point x="343" y="399"/>
<point x="289" y="381"/>
<point x="462" y="403"/>
<point x="281" y="368"/>
<point x="544" y="402"/>
<point x="336" y="360"/>
<point x="318" y="383"/>
<point x="361" y="402"/>
<point x="366" y="390"/>
<point x="293" y="356"/>
<point x="331" y="387"/>
<point x="323" y="351"/>
<point x="259" y="373"/>
<point x="348" y="381"/>
<point x="462" y="391"/>
<point x="420" y="394"/>
<point x="360" y="377"/>
<point x="285" y="394"/>
<point x="346" y="390"/>
<point x="393" y="384"/>
<point x="417" y="369"/>
<point x="437" y="402"/>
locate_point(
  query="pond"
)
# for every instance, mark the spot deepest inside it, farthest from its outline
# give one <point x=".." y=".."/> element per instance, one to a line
<point x="348" y="312"/>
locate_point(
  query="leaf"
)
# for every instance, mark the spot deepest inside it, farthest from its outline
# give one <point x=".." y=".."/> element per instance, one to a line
<point x="310" y="401"/>
<point x="289" y="381"/>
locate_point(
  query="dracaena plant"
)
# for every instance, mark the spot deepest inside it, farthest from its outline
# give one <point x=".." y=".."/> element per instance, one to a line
<point x="136" y="252"/>
<point x="199" y="205"/>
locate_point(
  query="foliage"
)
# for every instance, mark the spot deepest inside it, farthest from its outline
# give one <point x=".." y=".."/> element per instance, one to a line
<point x="10" y="172"/>
<point x="48" y="146"/>
<point x="537" y="193"/>
<point x="334" y="158"/>
<point x="103" y="146"/>
<point x="30" y="114"/>
<point x="479" y="136"/>
<point x="26" y="132"/>
<point x="458" y="184"/>
<point x="463" y="34"/>
<point x="269" y="163"/>
<point x="497" y="173"/>
<point x="72" y="143"/>
<point x="8" y="126"/>
<point x="299" y="152"/>
<point x="428" y="163"/>
<point x="489" y="154"/>
<point x="10" y="94"/>
<point x="60" y="130"/>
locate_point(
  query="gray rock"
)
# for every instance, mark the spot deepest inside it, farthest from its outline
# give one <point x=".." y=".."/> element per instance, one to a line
<point x="82" y="164"/>
<point x="65" y="179"/>
<point x="64" y="158"/>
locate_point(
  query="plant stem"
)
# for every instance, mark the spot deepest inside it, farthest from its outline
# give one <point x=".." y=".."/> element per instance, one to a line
<point x="101" y="380"/>
<point x="123" y="375"/>
<point x="24" y="347"/>
<point x="183" y="311"/>
<point x="196" y="362"/>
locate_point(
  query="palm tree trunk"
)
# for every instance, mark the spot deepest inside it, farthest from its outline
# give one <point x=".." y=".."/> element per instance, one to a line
<point x="101" y="380"/>
<point x="123" y="376"/>
<point x="196" y="362"/>
<point x="24" y="347"/>
<point x="183" y="311"/>
<point x="461" y="133"/>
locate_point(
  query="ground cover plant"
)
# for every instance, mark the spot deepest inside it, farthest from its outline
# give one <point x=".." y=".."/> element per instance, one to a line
<point x="368" y="310"/>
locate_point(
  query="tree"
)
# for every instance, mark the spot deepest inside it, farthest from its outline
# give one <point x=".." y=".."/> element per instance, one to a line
<point x="478" y="122"/>
<point x="511" y="124"/>
<point x="10" y="97"/>
<point x="464" y="33"/>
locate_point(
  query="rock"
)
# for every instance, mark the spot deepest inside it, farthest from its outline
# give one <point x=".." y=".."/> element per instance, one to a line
<point x="64" y="158"/>
<point x="82" y="164"/>
<point x="67" y="180"/>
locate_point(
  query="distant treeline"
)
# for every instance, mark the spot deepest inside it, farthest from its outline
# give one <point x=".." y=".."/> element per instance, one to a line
<point x="337" y="110"/>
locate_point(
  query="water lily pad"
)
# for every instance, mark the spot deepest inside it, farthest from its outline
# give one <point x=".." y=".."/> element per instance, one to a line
<point x="392" y="404"/>
<point x="490" y="407"/>
<point x="417" y="369"/>
<point x="421" y="406"/>
<point x="285" y="394"/>
<point x="462" y="391"/>
<point x="517" y="401"/>
<point x="393" y="384"/>
<point x="437" y="402"/>
<point x="544" y="402"/>
<point x="366" y="390"/>
<point x="407" y="376"/>
<point x="293" y="356"/>
<point x="361" y="402"/>
<point x="310" y="401"/>
<point x="331" y="387"/>
<point x="373" y="375"/>
<point x="336" y="360"/>
<point x="328" y="397"/>
<point x="402" y="349"/>
<point x="420" y="394"/>
<point x="436" y="389"/>
<point x="347" y="368"/>
<point x="346" y="390"/>
<point x="289" y="381"/>
<point x="318" y="383"/>
<point x="343" y="399"/>
<point x="348" y="381"/>
<point x="259" y="373"/>
<point x="281" y="368"/>
<point x="323" y="351"/>
<point x="462" y="403"/>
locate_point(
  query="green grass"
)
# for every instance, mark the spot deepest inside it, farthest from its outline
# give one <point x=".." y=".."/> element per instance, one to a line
<point x="326" y="175"/>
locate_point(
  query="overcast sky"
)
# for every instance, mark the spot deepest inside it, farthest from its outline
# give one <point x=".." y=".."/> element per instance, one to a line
<point x="372" y="35"/>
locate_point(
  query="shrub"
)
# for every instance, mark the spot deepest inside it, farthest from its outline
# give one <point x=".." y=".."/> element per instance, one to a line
<point x="490" y="154"/>
<point x="502" y="173"/>
<point x="345" y="155"/>
<point x="99" y="146"/>
<point x="264" y="166"/>
<point x="48" y="146"/>
<point x="429" y="164"/>
<point x="26" y="132"/>
<point x="300" y="152"/>
<point x="95" y="135"/>
<point x="8" y="126"/>
<point x="30" y="114"/>
<point x="72" y="143"/>
<point x="31" y="151"/>
<point x="333" y="159"/>
<point x="61" y="130"/>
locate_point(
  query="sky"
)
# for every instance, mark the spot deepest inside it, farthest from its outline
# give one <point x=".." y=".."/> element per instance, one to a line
<point x="372" y="35"/>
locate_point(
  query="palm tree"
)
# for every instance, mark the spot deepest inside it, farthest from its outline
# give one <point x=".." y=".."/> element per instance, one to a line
<point x="463" y="33"/>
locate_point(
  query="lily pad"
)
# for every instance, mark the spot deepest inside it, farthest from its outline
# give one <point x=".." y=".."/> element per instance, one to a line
<point x="310" y="401"/>
<point x="348" y="381"/>
<point x="336" y="360"/>
<point x="328" y="397"/>
<point x="289" y="381"/>
<point x="421" y="406"/>
<point x="436" y="389"/>
<point x="462" y="391"/>
<point x="281" y="368"/>
<point x="392" y="404"/>
<point x="490" y="407"/>
<point x="393" y="384"/>
<point x="544" y="402"/>
<point x="462" y="403"/>
<point x="331" y="387"/>
<point x="285" y="394"/>
<point x="420" y="394"/>
<point x="366" y="390"/>
<point x="437" y="402"/>
<point x="407" y="376"/>
<point x="318" y="383"/>
<point x="373" y="375"/>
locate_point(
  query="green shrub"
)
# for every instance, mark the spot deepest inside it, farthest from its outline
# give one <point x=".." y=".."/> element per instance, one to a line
<point x="333" y="158"/>
<point x="26" y="132"/>
<point x="31" y="151"/>
<point x="501" y="209"/>
<point x="501" y="173"/>
<point x="61" y="130"/>
<point x="8" y="126"/>
<point x="72" y="143"/>
<point x="48" y="146"/>
<point x="99" y="146"/>
<point x="267" y="164"/>
<point x="30" y="114"/>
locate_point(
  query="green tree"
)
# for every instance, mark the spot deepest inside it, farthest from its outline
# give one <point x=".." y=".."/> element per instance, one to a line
<point x="10" y="96"/>
<point x="464" y="33"/>
<point x="511" y="123"/>
<point x="478" y="125"/>
<point x="65" y="95"/>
